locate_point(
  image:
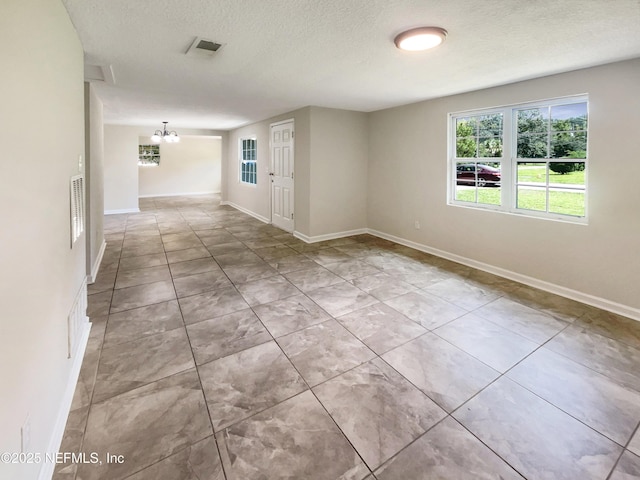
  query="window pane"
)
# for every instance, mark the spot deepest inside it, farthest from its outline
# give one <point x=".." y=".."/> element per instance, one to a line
<point x="490" y="125"/>
<point x="466" y="147"/>
<point x="466" y="193"/>
<point x="465" y="173"/>
<point x="490" y="147"/>
<point x="572" y="117"/>
<point x="466" y="139"/>
<point x="487" y="196"/>
<point x="566" y="202"/>
<point x="490" y="196"/>
<point x="569" y="145"/>
<point x="533" y="146"/>
<point x="466" y="190"/>
<point x="534" y="120"/>
<point x="478" y="183"/>
<point x="567" y="173"/>
<point x="532" y="173"/>
<point x="468" y="125"/>
<point x="532" y="198"/>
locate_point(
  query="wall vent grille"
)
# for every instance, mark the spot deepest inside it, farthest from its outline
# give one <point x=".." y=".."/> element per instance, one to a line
<point x="77" y="208"/>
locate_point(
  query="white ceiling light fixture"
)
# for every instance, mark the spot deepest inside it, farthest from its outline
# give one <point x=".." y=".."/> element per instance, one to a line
<point x="169" y="137"/>
<point x="422" y="38"/>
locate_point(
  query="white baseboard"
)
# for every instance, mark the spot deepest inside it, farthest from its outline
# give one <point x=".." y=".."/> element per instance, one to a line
<point x="581" y="297"/>
<point x="124" y="210"/>
<point x="46" y="470"/>
<point x="176" y="194"/>
<point x="96" y="264"/>
<point x="244" y="210"/>
<point x="599" y="302"/>
<point x="329" y="236"/>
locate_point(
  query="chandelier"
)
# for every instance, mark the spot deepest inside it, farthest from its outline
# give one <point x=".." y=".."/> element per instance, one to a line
<point x="167" y="136"/>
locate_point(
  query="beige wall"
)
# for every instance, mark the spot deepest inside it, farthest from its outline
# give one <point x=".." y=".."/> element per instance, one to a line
<point x="94" y="171"/>
<point x="330" y="170"/>
<point x="407" y="182"/>
<point x="121" y="172"/>
<point x="120" y="168"/>
<point x="256" y="199"/>
<point x="42" y="122"/>
<point x="339" y="159"/>
<point x="188" y="167"/>
<point x="387" y="169"/>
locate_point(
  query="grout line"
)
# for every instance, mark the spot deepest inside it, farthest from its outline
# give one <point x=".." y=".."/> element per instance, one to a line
<point x="625" y="448"/>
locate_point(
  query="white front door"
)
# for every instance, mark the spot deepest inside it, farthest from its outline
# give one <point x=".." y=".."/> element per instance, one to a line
<point x="282" y="175"/>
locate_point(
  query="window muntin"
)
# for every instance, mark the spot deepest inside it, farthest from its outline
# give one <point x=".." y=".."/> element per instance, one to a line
<point x="248" y="161"/>
<point x="546" y="174"/>
<point x="553" y="133"/>
<point x="478" y="153"/>
<point x="479" y="136"/>
<point x="148" y="155"/>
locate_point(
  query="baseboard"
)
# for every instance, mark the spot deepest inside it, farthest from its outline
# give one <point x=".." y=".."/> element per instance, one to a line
<point x="46" y="471"/>
<point x="96" y="265"/>
<point x="177" y="194"/>
<point x="329" y="236"/>
<point x="244" y="210"/>
<point x="124" y="210"/>
<point x="581" y="297"/>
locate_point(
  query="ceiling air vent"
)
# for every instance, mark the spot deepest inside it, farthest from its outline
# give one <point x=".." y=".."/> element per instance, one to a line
<point x="99" y="73"/>
<point x="203" y="47"/>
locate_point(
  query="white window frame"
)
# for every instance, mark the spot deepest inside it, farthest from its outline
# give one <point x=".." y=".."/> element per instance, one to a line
<point x="509" y="160"/>
<point x="242" y="161"/>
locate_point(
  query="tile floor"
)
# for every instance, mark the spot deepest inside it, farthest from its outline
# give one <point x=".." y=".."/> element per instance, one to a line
<point x="223" y="348"/>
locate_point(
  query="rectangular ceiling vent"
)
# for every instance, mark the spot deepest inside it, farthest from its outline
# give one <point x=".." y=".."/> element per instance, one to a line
<point x="203" y="47"/>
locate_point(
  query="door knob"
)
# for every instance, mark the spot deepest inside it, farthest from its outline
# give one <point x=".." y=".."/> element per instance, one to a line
<point x="271" y="174"/>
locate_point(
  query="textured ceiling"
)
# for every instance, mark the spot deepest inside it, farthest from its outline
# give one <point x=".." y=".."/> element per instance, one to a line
<point x="279" y="55"/>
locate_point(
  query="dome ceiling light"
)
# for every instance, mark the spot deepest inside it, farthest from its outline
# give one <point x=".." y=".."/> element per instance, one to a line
<point x="422" y="38"/>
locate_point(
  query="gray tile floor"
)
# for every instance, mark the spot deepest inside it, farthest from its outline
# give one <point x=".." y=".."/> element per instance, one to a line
<point x="224" y="348"/>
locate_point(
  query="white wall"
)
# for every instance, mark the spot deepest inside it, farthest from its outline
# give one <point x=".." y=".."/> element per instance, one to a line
<point x="120" y="169"/>
<point x="190" y="166"/>
<point x="42" y="121"/>
<point x="94" y="171"/>
<point x="407" y="182"/>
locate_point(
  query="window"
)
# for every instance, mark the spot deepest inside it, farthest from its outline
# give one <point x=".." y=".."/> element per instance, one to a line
<point x="551" y="153"/>
<point x="248" y="170"/>
<point x="528" y="159"/>
<point x="148" y="155"/>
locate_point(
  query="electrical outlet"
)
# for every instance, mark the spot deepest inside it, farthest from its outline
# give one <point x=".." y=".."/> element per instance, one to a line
<point x="417" y="225"/>
<point x="25" y="432"/>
